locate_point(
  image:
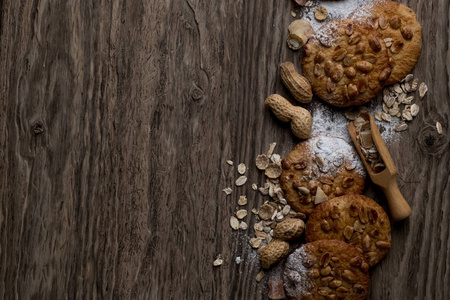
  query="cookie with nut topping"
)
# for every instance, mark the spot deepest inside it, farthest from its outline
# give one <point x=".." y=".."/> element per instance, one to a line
<point x="401" y="31"/>
<point x="346" y="62"/>
<point x="319" y="169"/>
<point x="327" y="269"/>
<point x="354" y="219"/>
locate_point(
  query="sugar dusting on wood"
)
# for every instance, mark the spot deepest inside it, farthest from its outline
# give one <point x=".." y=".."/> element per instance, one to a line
<point x="331" y="121"/>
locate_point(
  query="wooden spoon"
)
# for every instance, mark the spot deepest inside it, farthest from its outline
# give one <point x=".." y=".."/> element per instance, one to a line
<point x="386" y="179"/>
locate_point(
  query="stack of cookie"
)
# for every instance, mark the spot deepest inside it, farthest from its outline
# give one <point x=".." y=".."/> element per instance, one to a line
<point x="346" y="232"/>
<point x="349" y="61"/>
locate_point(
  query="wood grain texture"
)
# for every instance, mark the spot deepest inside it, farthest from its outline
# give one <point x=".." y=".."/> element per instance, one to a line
<point x="116" y="119"/>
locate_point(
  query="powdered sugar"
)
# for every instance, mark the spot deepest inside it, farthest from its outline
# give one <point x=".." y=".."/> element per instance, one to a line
<point x="296" y="279"/>
<point x="364" y="12"/>
<point x="336" y="10"/>
<point x="331" y="121"/>
<point x="328" y="120"/>
<point x="332" y="155"/>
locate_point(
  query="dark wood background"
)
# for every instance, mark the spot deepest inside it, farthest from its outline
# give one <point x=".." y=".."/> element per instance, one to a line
<point x="116" y="119"/>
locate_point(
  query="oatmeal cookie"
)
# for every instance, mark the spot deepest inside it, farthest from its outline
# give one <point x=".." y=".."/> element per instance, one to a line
<point x="401" y="31"/>
<point x="355" y="219"/>
<point x="327" y="269"/>
<point x="346" y="62"/>
<point x="319" y="169"/>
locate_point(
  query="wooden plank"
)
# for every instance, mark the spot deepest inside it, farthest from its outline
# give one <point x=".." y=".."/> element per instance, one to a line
<point x="116" y="121"/>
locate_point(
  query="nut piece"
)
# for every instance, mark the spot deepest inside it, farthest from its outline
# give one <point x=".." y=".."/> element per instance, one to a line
<point x="325" y="225"/>
<point x="348" y="232"/>
<point x="349" y="276"/>
<point x="320" y="196"/>
<point x="273" y="253"/>
<point x="289" y="229"/>
<point x="297" y="84"/>
<point x="299" y="33"/>
<point x="320" y="13"/>
<point x="301" y="119"/>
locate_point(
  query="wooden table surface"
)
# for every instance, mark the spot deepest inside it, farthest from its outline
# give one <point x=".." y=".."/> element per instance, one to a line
<point x="116" y="121"/>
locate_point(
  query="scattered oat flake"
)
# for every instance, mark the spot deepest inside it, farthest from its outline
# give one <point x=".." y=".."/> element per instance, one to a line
<point x="230" y="162"/>
<point x="414" y="85"/>
<point x="422" y="90"/>
<point x="255" y="242"/>
<point x="293" y="14"/>
<point x="242" y="213"/>
<point x="378" y="115"/>
<point x="241" y="180"/>
<point x="275" y="158"/>
<point x="352" y="113"/>
<point x="408" y="78"/>
<point x="254" y="186"/>
<point x="439" y="127"/>
<point x="273" y="171"/>
<point x="263" y="191"/>
<point x="254" y="211"/>
<point x="271" y="148"/>
<point x="241" y="168"/>
<point x="260" y="276"/>
<point x="242" y="200"/>
<point x="218" y="261"/>
<point x="401" y="127"/>
<point x="262" y="161"/>
<point x="227" y="190"/>
<point x="406" y="114"/>
<point x="243" y="226"/>
<point x="414" y="110"/>
<point x="234" y="223"/>
<point x="386" y="117"/>
<point x="308" y="3"/>
<point x="408" y="100"/>
<point x="398" y="88"/>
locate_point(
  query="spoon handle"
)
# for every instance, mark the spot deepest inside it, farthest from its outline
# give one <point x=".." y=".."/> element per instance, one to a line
<point x="398" y="206"/>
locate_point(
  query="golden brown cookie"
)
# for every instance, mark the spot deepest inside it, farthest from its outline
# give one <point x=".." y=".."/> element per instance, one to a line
<point x="346" y="63"/>
<point x="327" y="269"/>
<point x="355" y="219"/>
<point x="319" y="169"/>
<point x="401" y="32"/>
